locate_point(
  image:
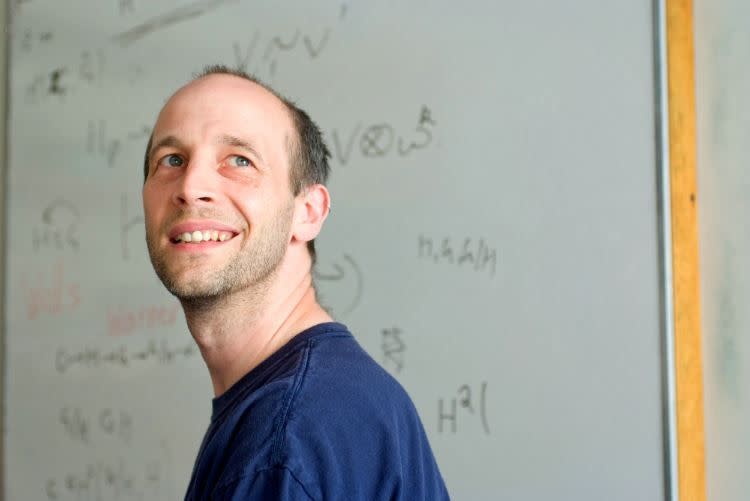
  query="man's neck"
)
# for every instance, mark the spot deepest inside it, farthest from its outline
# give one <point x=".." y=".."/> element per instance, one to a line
<point x="239" y="332"/>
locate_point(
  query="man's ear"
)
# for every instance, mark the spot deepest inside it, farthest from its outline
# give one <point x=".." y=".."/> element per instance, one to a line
<point x="311" y="208"/>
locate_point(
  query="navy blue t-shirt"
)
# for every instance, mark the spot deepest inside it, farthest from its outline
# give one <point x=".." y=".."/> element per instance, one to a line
<point x="318" y="420"/>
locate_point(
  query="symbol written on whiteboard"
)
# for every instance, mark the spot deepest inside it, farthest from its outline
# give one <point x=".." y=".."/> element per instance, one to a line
<point x="469" y="254"/>
<point x="179" y="14"/>
<point x="113" y="479"/>
<point x="99" y="142"/>
<point x="94" y="358"/>
<point x="127" y="223"/>
<point x="124" y="321"/>
<point x="61" y="80"/>
<point x="126" y="7"/>
<point x="338" y="273"/>
<point x="265" y="60"/>
<point x="59" y="227"/>
<point x="380" y="139"/>
<point x="394" y="348"/>
<point x="84" y="427"/>
<point x="464" y="405"/>
<point x="52" y="292"/>
<point x="87" y="71"/>
<point x="31" y="39"/>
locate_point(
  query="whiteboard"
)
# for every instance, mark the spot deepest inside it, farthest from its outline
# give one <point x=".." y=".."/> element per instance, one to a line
<point x="493" y="241"/>
<point x="723" y="114"/>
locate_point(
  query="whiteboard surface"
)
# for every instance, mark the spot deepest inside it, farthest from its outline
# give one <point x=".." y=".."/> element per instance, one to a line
<point x="493" y="241"/>
<point x="723" y="114"/>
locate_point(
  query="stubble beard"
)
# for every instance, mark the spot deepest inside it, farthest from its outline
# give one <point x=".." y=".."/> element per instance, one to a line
<point x="251" y="271"/>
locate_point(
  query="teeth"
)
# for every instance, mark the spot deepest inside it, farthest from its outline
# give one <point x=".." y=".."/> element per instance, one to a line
<point x="203" y="236"/>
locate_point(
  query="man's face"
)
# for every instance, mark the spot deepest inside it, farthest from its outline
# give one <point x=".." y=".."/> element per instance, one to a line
<point x="217" y="200"/>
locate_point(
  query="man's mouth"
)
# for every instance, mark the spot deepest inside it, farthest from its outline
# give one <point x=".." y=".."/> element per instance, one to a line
<point x="198" y="236"/>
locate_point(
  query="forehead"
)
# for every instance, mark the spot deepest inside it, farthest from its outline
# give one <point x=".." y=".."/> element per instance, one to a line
<point x="217" y="105"/>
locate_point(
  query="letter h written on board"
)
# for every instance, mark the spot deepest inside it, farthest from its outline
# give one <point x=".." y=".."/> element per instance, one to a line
<point x="465" y="404"/>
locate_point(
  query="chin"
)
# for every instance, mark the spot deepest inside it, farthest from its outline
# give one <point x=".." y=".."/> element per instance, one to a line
<point x="195" y="289"/>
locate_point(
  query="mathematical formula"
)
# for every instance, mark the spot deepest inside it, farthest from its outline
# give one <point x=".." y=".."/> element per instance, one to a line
<point x="83" y="427"/>
<point x="114" y="479"/>
<point x="394" y="348"/>
<point x="464" y="406"/>
<point x="380" y="139"/>
<point x="468" y="253"/>
<point x="94" y="358"/>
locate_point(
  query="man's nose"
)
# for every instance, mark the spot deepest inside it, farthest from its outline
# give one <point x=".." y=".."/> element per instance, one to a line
<point x="197" y="185"/>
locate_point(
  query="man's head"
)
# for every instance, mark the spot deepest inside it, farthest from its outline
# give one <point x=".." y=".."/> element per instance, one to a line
<point x="308" y="152"/>
<point x="231" y="160"/>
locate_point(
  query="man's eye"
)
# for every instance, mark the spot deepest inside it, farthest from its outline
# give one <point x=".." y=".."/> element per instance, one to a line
<point x="239" y="161"/>
<point x="172" y="160"/>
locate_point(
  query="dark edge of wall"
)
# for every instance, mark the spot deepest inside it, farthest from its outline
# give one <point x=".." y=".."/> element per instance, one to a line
<point x="5" y="16"/>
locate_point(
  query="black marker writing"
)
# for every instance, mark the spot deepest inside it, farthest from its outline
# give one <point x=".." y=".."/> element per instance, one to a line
<point x="394" y="347"/>
<point x="126" y="7"/>
<point x="470" y="253"/>
<point x="127" y="223"/>
<point x="99" y="143"/>
<point x="59" y="227"/>
<point x="95" y="358"/>
<point x="81" y="426"/>
<point x="243" y="59"/>
<point x="174" y="16"/>
<point x="30" y="39"/>
<point x="274" y="47"/>
<point x="339" y="272"/>
<point x="465" y="403"/>
<point x="108" y="480"/>
<point x="380" y="139"/>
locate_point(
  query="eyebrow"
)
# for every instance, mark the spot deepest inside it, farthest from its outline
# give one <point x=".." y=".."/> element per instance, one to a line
<point x="230" y="140"/>
<point x="170" y="141"/>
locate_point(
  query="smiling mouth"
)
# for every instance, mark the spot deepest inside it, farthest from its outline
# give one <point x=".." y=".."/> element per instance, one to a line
<point x="198" y="236"/>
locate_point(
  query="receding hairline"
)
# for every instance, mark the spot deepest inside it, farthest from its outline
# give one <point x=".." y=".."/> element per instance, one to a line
<point x="284" y="102"/>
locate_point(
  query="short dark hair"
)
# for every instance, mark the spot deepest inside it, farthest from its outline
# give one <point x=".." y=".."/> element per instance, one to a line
<point x="308" y="152"/>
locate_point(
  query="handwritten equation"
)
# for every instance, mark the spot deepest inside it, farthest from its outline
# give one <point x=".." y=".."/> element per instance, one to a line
<point x="59" y="81"/>
<point x="58" y="228"/>
<point x="338" y="272"/>
<point x="94" y="358"/>
<point x="128" y="223"/>
<point x="84" y="427"/>
<point x="53" y="292"/>
<point x="380" y="139"/>
<point x="394" y="348"/>
<point x="464" y="405"/>
<point x="114" y="479"/>
<point x="87" y="71"/>
<point x="470" y="254"/>
<point x="262" y="54"/>
<point x="126" y="321"/>
<point x="101" y="143"/>
<point x="31" y="39"/>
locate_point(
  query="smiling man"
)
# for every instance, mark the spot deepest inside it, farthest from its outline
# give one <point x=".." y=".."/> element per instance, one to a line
<point x="234" y="195"/>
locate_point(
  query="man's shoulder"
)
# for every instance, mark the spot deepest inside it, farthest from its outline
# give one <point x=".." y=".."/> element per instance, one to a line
<point x="337" y="423"/>
<point x="339" y="371"/>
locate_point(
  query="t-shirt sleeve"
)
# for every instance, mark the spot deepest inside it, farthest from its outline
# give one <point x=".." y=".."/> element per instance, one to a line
<point x="272" y="484"/>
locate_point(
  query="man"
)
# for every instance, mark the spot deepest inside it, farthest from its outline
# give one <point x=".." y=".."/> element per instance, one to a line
<point x="233" y="197"/>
